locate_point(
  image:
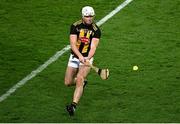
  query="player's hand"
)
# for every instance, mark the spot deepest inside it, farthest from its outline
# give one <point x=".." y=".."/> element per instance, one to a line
<point x="87" y="62"/>
<point x="82" y="59"/>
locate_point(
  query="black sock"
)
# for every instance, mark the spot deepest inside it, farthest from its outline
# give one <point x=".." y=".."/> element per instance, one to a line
<point x="85" y="83"/>
<point x="74" y="104"/>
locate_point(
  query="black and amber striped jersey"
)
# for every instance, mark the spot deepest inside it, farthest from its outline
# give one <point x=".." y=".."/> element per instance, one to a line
<point x="84" y="33"/>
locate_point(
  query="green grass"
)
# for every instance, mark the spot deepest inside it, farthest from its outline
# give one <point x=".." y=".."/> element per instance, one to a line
<point x="145" y="33"/>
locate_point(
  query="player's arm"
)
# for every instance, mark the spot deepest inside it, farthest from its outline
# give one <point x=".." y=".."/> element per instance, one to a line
<point x="94" y="44"/>
<point x="73" y="40"/>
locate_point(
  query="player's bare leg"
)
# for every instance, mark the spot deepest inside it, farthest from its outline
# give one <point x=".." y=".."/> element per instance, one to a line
<point x="70" y="76"/>
<point x="81" y="76"/>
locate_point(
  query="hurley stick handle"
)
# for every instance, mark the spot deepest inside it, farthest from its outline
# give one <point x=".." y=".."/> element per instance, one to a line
<point x="94" y="68"/>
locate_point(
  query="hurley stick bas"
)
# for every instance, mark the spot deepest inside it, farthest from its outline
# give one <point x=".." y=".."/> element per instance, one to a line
<point x="103" y="73"/>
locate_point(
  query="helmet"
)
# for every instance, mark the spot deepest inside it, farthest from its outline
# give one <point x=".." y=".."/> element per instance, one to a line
<point x="87" y="11"/>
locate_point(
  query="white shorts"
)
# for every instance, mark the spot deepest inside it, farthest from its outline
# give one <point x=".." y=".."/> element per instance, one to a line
<point x="75" y="63"/>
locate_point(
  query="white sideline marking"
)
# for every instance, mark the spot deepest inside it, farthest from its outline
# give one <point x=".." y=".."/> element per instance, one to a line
<point x="57" y="55"/>
<point x="112" y="13"/>
<point x="34" y="73"/>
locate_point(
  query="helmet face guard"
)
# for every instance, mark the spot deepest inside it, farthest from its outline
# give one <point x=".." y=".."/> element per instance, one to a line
<point x="87" y="11"/>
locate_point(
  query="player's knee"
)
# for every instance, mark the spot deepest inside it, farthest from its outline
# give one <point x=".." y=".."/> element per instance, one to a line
<point x="67" y="82"/>
<point x="79" y="81"/>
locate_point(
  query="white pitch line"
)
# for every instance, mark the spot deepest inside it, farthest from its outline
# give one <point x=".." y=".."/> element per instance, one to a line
<point x="112" y="13"/>
<point x="34" y="73"/>
<point x="57" y="55"/>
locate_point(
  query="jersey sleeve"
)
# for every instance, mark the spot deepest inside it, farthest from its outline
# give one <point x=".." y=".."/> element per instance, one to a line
<point x="97" y="34"/>
<point x="73" y="29"/>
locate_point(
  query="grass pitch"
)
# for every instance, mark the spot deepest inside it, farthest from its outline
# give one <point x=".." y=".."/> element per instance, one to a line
<point x="145" y="33"/>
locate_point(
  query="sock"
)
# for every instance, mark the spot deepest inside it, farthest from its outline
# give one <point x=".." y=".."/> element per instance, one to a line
<point x="74" y="104"/>
<point x="85" y="82"/>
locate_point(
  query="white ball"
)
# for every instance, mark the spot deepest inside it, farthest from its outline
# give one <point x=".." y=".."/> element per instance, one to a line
<point x="135" y="68"/>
